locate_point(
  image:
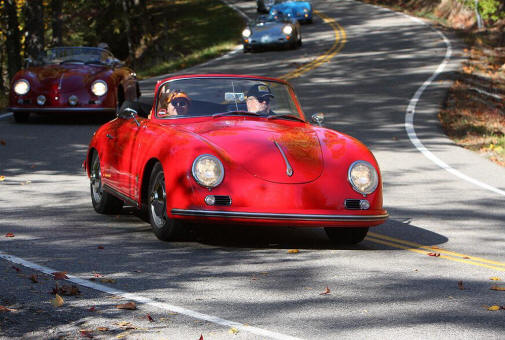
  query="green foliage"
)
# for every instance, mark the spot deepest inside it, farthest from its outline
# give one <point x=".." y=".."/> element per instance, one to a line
<point x="489" y="9"/>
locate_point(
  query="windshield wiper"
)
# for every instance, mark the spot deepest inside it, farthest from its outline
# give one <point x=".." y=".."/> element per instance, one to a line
<point x="235" y="113"/>
<point x="289" y="117"/>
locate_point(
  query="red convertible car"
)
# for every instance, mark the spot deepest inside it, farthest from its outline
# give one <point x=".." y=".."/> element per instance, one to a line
<point x="72" y="79"/>
<point x="233" y="149"/>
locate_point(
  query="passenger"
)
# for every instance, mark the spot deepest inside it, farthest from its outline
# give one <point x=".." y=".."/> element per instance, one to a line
<point x="176" y="103"/>
<point x="258" y="99"/>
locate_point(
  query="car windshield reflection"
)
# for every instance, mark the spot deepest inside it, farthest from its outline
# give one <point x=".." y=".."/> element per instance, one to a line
<point x="192" y="97"/>
<point x="62" y="55"/>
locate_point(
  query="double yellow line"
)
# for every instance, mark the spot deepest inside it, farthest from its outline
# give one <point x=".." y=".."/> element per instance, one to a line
<point x="338" y="45"/>
<point x="434" y="251"/>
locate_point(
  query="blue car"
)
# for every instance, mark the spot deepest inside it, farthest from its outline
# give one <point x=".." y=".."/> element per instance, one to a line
<point x="270" y="32"/>
<point x="299" y="10"/>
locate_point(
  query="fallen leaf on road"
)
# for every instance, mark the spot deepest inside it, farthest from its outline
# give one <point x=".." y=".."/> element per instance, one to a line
<point x="293" y="251"/>
<point x="128" y="305"/>
<point x="201" y="337"/>
<point x="434" y="254"/>
<point x="5" y="309"/>
<point x="122" y="335"/>
<point x="466" y="258"/>
<point x="327" y="291"/>
<point x="60" y="275"/>
<point x="57" y="301"/>
<point x="2" y="178"/>
<point x="16" y="269"/>
<point x="233" y="330"/>
<point x="86" y="333"/>
<point x="92" y="309"/>
<point x="100" y="247"/>
<point x="460" y="285"/>
<point x="494" y="278"/>
<point x="495" y="287"/>
<point x="108" y="280"/>
<point x="126" y="325"/>
<point x="9" y="235"/>
<point x="102" y="329"/>
<point x="33" y="277"/>
<point x="97" y="275"/>
<point x="69" y="290"/>
<point x="494" y="308"/>
<point x="149" y="317"/>
<point x="2" y="142"/>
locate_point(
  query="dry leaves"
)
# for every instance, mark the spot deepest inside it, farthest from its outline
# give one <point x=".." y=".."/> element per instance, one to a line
<point x="494" y="278"/>
<point x="67" y="290"/>
<point x="233" y="330"/>
<point x="5" y="309"/>
<point x="9" y="235"/>
<point x="434" y="254"/>
<point x="495" y="308"/>
<point x="2" y="142"/>
<point x="326" y="292"/>
<point x="499" y="288"/>
<point x="86" y="333"/>
<point x="460" y="285"/>
<point x="60" y="275"/>
<point x="57" y="301"/>
<point x="33" y="278"/>
<point x="2" y="178"/>
<point x="293" y="251"/>
<point x="149" y="317"/>
<point x="128" y="305"/>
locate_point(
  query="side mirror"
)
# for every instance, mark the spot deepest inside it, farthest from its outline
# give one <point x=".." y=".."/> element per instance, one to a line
<point x="318" y="118"/>
<point x="128" y="113"/>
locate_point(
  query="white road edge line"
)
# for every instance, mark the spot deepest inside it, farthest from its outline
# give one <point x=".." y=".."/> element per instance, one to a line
<point x="6" y="115"/>
<point x="411" y="110"/>
<point x="147" y="301"/>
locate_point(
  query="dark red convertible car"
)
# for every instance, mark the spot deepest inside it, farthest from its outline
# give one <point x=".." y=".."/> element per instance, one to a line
<point x="72" y="79"/>
<point x="233" y="149"/>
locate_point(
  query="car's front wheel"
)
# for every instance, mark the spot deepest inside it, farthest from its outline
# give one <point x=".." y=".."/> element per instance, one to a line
<point x="164" y="228"/>
<point x="103" y="202"/>
<point x="346" y="235"/>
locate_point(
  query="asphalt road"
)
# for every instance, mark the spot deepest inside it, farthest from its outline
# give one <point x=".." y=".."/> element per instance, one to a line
<point x="363" y="67"/>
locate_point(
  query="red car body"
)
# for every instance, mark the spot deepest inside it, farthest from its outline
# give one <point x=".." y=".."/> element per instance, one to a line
<point x="256" y="153"/>
<point x="61" y="82"/>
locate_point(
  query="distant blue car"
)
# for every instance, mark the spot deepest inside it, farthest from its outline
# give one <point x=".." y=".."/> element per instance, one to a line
<point x="299" y="10"/>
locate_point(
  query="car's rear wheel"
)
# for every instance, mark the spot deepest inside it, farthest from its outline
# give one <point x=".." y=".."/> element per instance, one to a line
<point x="164" y="228"/>
<point x="103" y="202"/>
<point x="346" y="235"/>
<point x="21" y="117"/>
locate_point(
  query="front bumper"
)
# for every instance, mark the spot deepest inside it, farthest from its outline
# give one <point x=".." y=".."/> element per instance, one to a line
<point x="320" y="220"/>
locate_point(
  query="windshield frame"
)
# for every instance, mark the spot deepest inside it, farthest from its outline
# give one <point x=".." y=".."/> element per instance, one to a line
<point x="162" y="83"/>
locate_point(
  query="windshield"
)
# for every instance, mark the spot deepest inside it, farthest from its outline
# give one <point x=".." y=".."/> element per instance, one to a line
<point x="191" y="97"/>
<point x="60" y="55"/>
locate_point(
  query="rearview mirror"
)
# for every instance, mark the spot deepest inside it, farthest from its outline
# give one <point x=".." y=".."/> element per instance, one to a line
<point x="318" y="118"/>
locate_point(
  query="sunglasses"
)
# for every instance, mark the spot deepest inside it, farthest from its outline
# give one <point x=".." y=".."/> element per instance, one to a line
<point x="179" y="103"/>
<point x="265" y="99"/>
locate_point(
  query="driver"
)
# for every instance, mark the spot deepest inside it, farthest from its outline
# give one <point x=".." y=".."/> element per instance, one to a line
<point x="177" y="103"/>
<point x="258" y="99"/>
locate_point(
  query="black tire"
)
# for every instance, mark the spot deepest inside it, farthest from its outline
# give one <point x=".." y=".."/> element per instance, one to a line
<point x="299" y="42"/>
<point x="21" y="117"/>
<point x="103" y="202"/>
<point x="346" y="235"/>
<point x="164" y="228"/>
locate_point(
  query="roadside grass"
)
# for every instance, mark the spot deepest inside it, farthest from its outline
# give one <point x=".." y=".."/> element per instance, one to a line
<point x="184" y="33"/>
<point x="473" y="114"/>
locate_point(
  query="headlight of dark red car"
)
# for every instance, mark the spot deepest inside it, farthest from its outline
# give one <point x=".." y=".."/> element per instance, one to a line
<point x="208" y="171"/>
<point x="21" y="87"/>
<point x="246" y="33"/>
<point x="363" y="177"/>
<point x="99" y="88"/>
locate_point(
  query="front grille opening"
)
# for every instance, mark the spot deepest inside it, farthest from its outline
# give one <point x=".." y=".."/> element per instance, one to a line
<point x="221" y="200"/>
<point x="352" y="204"/>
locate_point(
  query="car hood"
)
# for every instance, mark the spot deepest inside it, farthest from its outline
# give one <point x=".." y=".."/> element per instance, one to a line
<point x="67" y="78"/>
<point x="260" y="147"/>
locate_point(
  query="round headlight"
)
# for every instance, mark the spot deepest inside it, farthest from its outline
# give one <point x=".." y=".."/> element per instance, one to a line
<point x="208" y="171"/>
<point x="21" y="87"/>
<point x="99" y="88"/>
<point x="288" y="29"/>
<point x="363" y="177"/>
<point x="246" y="33"/>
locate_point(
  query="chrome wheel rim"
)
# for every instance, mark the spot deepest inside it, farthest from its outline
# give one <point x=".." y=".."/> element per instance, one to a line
<point x="157" y="201"/>
<point x="96" y="181"/>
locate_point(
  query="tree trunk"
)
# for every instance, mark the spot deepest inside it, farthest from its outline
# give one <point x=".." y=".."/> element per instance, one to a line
<point x="56" y="24"/>
<point x="34" y="25"/>
<point x="12" y="39"/>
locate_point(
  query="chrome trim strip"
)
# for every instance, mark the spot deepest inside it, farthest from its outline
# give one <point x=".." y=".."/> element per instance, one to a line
<point x="60" y="109"/>
<point x="289" y="169"/>
<point x="272" y="216"/>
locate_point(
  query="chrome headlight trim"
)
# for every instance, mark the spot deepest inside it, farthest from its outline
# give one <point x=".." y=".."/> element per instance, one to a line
<point x="99" y="88"/>
<point x="207" y="170"/>
<point x="246" y="33"/>
<point x="21" y="87"/>
<point x="288" y="29"/>
<point x="363" y="177"/>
